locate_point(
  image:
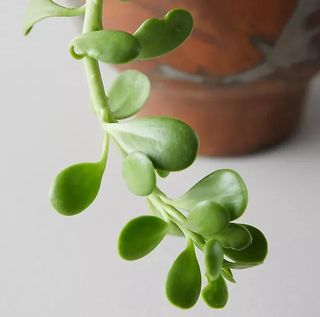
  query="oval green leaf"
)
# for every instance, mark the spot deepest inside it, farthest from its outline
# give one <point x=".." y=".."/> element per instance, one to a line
<point x="235" y="237"/>
<point x="240" y="265"/>
<point x="128" y="94"/>
<point x="213" y="259"/>
<point x="160" y="36"/>
<point x="216" y="293"/>
<point x="224" y="187"/>
<point x="76" y="187"/>
<point x="208" y="218"/>
<point x="170" y="144"/>
<point x="140" y="236"/>
<point x="139" y="174"/>
<point x="183" y="283"/>
<point x="256" y="252"/>
<point x="109" y="46"/>
<point x="40" y="9"/>
<point x="227" y="274"/>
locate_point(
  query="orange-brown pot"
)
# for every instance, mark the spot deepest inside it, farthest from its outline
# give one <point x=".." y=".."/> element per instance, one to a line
<point x="240" y="80"/>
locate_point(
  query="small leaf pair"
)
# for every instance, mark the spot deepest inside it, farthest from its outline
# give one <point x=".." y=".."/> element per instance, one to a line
<point x="155" y="37"/>
<point x="208" y="218"/>
<point x="235" y="236"/>
<point x="223" y="187"/>
<point x="252" y="255"/>
<point x="216" y="293"/>
<point x="142" y="235"/>
<point x="41" y="9"/>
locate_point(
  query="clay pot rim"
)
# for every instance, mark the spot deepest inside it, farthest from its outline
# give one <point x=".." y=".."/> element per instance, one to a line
<point x="213" y="93"/>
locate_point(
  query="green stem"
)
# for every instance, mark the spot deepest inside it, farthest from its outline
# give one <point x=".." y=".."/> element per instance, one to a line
<point x="175" y="216"/>
<point x="93" y="22"/>
<point x="180" y="219"/>
<point x="105" y="150"/>
<point x="71" y="12"/>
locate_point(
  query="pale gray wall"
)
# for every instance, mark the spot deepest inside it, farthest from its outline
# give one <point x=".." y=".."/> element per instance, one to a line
<point x="51" y="266"/>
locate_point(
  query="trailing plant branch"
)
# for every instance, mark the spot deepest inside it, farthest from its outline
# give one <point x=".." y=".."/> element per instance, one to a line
<point x="153" y="147"/>
<point x="93" y="22"/>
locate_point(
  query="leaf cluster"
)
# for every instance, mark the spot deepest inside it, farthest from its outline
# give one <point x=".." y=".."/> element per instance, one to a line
<point x="154" y="147"/>
<point x="204" y="215"/>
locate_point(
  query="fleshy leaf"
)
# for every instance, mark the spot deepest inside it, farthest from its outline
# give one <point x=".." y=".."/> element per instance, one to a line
<point x="162" y="173"/>
<point x="213" y="259"/>
<point x="183" y="283"/>
<point x="227" y="274"/>
<point x="108" y="46"/>
<point x="240" y="265"/>
<point x="208" y="218"/>
<point x="40" y="9"/>
<point x="170" y="144"/>
<point x="141" y="236"/>
<point x="256" y="252"/>
<point x="224" y="187"/>
<point x="76" y="187"/>
<point x="139" y="174"/>
<point x="216" y="293"/>
<point x="160" y="36"/>
<point x="235" y="237"/>
<point x="128" y="94"/>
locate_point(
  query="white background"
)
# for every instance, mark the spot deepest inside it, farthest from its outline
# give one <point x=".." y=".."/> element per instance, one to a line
<point x="52" y="266"/>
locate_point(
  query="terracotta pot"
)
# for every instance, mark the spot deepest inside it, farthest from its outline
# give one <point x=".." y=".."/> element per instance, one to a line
<point x="240" y="80"/>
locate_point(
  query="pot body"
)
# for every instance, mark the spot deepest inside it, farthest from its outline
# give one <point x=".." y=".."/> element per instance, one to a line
<point x="241" y="78"/>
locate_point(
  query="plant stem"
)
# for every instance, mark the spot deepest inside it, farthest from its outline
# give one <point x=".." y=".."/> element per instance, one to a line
<point x="93" y="22"/>
<point x="175" y="216"/>
<point x="105" y="151"/>
<point x="180" y="221"/>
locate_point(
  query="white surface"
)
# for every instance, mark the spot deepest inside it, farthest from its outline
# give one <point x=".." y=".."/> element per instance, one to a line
<point x="52" y="266"/>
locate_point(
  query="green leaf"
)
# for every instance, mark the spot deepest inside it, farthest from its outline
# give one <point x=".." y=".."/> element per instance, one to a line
<point x="240" y="265"/>
<point x="224" y="187"/>
<point x="235" y="237"/>
<point x="256" y="252"/>
<point x="128" y="94"/>
<point x="183" y="283"/>
<point x="208" y="218"/>
<point x="140" y="236"/>
<point x="76" y="187"/>
<point x="158" y="37"/>
<point x="162" y="173"/>
<point x="110" y="46"/>
<point x="227" y="274"/>
<point x="216" y="293"/>
<point x="139" y="174"/>
<point x="213" y="259"/>
<point x="40" y="9"/>
<point x="170" y="144"/>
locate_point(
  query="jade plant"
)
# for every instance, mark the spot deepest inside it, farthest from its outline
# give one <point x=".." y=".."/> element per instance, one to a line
<point x="153" y="147"/>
